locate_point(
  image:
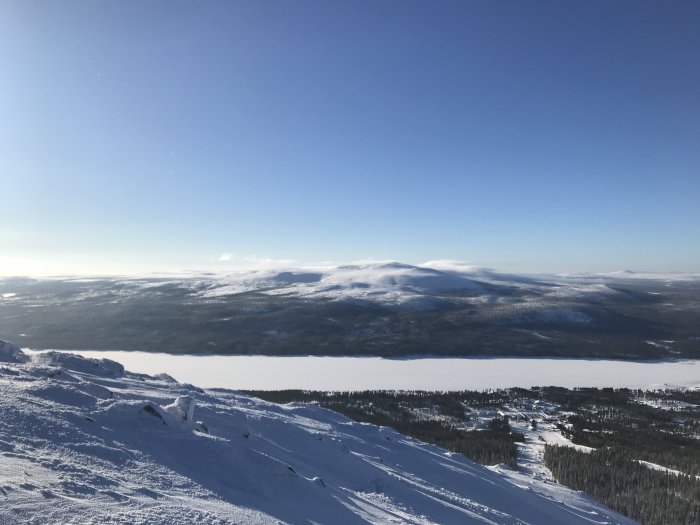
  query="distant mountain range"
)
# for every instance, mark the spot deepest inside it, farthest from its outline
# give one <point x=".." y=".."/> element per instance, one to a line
<point x="387" y="309"/>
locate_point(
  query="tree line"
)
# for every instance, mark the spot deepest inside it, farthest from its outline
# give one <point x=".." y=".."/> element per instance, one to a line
<point x="613" y="476"/>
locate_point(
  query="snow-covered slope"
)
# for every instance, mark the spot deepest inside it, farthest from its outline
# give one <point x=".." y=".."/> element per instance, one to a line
<point x="433" y="284"/>
<point x="390" y="282"/>
<point x="83" y="441"/>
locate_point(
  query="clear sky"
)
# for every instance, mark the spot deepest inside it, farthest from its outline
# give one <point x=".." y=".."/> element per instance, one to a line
<point x="520" y="135"/>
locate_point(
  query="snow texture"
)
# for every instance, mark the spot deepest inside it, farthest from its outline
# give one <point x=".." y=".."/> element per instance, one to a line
<point x="83" y="441"/>
<point x="10" y="353"/>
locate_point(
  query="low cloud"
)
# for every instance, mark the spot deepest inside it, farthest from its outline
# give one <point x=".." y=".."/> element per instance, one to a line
<point x="454" y="266"/>
<point x="268" y="262"/>
<point x="225" y="257"/>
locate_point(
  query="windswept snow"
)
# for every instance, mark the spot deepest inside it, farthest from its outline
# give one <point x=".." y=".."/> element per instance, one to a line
<point x="83" y="441"/>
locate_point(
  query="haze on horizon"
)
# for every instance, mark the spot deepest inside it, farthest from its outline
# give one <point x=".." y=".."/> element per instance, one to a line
<point x="527" y="137"/>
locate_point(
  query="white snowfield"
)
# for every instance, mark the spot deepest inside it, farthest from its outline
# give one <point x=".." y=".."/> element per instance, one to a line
<point x="84" y="442"/>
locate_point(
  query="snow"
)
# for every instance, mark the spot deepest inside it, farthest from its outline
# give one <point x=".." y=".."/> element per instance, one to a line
<point x="548" y="298"/>
<point x="511" y="298"/>
<point x="661" y="468"/>
<point x="389" y="282"/>
<point x="375" y="373"/>
<point x="83" y="441"/>
<point x="182" y="409"/>
<point x="10" y="353"/>
<point x="575" y="291"/>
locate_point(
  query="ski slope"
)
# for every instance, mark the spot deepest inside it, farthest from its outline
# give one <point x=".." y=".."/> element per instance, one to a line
<point x="84" y="441"/>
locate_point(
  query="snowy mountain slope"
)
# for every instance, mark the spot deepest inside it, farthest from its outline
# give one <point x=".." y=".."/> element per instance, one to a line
<point x="83" y="441"/>
<point x="382" y="279"/>
<point x="391" y="282"/>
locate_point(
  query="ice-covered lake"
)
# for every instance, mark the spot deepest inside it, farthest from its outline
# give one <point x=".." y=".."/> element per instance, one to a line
<point x="363" y="373"/>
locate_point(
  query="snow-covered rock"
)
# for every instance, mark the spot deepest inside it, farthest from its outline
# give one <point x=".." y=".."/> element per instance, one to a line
<point x="97" y="367"/>
<point x="10" y="353"/>
<point x="182" y="409"/>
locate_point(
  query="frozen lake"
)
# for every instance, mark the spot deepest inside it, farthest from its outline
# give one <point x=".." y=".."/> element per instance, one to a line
<point x="369" y="373"/>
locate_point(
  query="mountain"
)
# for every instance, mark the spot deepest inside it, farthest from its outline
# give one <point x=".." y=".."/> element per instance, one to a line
<point x="387" y="309"/>
<point x="84" y="441"/>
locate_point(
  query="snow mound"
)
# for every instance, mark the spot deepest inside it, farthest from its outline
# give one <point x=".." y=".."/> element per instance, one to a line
<point x="98" y="367"/>
<point x="10" y="353"/>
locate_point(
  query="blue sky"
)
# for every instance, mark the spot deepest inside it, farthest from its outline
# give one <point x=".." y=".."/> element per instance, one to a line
<point x="525" y="136"/>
